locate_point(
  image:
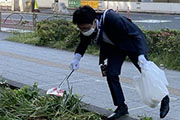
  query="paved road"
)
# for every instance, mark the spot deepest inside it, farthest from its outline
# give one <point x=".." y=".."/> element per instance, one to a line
<point x="29" y="64"/>
<point x="144" y="20"/>
<point x="156" y="21"/>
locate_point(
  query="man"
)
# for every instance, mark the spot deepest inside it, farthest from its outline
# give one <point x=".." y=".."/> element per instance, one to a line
<point x="117" y="37"/>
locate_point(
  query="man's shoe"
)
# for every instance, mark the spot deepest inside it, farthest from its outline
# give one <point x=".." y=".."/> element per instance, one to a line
<point x="164" y="106"/>
<point x="120" y="111"/>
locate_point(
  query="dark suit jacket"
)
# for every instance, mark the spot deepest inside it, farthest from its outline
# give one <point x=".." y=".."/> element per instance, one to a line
<point x="121" y="31"/>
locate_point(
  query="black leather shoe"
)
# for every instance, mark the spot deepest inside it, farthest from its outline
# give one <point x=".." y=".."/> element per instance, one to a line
<point x="164" y="107"/>
<point x="120" y="111"/>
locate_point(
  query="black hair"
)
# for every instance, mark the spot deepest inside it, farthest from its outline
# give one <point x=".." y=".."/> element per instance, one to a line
<point x="84" y="15"/>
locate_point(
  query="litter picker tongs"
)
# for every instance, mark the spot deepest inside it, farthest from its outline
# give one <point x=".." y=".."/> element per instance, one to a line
<point x="57" y="91"/>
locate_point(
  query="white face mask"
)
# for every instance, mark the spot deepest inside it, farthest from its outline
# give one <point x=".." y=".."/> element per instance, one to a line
<point x="89" y="32"/>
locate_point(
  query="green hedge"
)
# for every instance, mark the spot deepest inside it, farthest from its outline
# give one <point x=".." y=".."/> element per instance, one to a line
<point x="59" y="34"/>
<point x="164" y="45"/>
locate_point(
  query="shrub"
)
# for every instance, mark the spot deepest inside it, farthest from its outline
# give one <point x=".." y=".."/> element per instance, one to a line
<point x="163" y="41"/>
<point x="57" y="33"/>
<point x="164" y="47"/>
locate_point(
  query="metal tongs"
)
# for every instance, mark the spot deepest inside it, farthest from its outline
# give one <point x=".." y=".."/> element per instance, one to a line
<point x="58" y="91"/>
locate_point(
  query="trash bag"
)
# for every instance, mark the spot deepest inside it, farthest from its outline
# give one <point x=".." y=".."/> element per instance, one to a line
<point x="152" y="85"/>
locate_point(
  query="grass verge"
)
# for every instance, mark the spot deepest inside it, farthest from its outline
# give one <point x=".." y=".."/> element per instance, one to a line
<point x="27" y="104"/>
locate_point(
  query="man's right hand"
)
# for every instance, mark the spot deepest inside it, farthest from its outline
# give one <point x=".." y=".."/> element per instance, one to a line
<point x="141" y="60"/>
<point x="75" y="62"/>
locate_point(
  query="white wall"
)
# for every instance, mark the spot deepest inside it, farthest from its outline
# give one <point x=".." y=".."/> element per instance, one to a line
<point x="143" y="6"/>
<point x="161" y="7"/>
<point x="48" y="3"/>
<point x="5" y="2"/>
<point x="45" y="3"/>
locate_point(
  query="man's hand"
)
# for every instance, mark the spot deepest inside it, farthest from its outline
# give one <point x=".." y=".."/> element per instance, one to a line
<point x="75" y="62"/>
<point x="141" y="60"/>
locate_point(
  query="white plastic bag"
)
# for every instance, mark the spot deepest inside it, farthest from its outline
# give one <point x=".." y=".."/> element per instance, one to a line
<point x="152" y="86"/>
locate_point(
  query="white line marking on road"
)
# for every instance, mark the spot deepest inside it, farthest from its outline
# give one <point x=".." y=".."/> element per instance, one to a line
<point x="100" y="80"/>
<point x="173" y="98"/>
<point x="137" y="108"/>
<point x="152" y="21"/>
<point x="12" y="29"/>
<point x="54" y="84"/>
<point x="177" y="18"/>
<point x="128" y="87"/>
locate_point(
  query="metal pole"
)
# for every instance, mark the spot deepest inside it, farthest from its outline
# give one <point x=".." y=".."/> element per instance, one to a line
<point x="0" y="20"/>
<point x="32" y="5"/>
<point x="34" y="19"/>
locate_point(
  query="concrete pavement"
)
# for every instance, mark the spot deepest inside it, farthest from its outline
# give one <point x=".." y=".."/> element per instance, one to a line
<point x="28" y="64"/>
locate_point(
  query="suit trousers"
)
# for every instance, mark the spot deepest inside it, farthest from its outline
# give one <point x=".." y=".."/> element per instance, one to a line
<point x="114" y="65"/>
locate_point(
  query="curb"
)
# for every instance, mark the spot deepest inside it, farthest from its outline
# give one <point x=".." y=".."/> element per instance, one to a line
<point x="88" y="107"/>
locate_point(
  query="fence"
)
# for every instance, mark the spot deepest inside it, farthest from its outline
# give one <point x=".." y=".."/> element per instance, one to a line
<point x="26" y="21"/>
<point x="15" y="20"/>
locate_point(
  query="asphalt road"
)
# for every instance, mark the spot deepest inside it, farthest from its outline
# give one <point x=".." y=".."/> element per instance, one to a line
<point x="156" y="21"/>
<point x="147" y="21"/>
